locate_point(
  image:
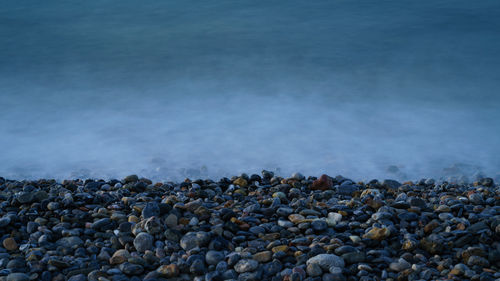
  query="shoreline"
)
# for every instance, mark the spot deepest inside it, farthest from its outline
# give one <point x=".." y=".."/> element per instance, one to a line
<point x="249" y="227"/>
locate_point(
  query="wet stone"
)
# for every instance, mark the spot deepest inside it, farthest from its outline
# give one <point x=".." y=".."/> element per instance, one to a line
<point x="194" y="239"/>
<point x="417" y="202"/>
<point x="4" y="221"/>
<point x="70" y="242"/>
<point x="151" y="209"/>
<point x="263" y="257"/>
<point x="168" y="271"/>
<point x="478" y="261"/>
<point x="18" y="277"/>
<point x="319" y="225"/>
<point x="171" y="221"/>
<point x="120" y="256"/>
<point x="10" y="244"/>
<point x="313" y="269"/>
<point x="434" y="244"/>
<point x="246" y="265"/>
<point x="354" y="257"/>
<point x="143" y="241"/>
<point x="377" y="233"/>
<point x="131" y="269"/>
<point x="323" y="183"/>
<point x="197" y="267"/>
<point x="400" y="265"/>
<point x="325" y="261"/>
<point x="249" y="228"/>
<point x="102" y="224"/>
<point x="214" y="257"/>
<point x="78" y="277"/>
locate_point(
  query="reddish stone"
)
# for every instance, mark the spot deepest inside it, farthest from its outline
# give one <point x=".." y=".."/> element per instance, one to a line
<point x="323" y="183"/>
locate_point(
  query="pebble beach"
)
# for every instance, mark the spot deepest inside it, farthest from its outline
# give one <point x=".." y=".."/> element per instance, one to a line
<point x="249" y="227"/>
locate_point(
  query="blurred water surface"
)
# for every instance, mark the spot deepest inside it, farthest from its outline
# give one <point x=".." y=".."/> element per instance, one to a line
<point x="169" y="89"/>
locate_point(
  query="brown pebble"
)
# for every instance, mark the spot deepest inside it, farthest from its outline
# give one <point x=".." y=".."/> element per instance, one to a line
<point x="428" y="228"/>
<point x="10" y="244"/>
<point x="323" y="183"/>
<point x="377" y="233"/>
<point x="241" y="182"/>
<point x="168" y="271"/>
<point x="281" y="248"/>
<point x="264" y="256"/>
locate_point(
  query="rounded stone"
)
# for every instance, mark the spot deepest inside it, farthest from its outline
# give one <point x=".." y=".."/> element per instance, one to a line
<point x="246" y="265"/>
<point x="78" y="277"/>
<point x="377" y="233"/>
<point x="101" y="224"/>
<point x="280" y="248"/>
<point x="130" y="178"/>
<point x="131" y="268"/>
<point x="143" y="241"/>
<point x="18" y="277"/>
<point x="319" y="225"/>
<point x="70" y="242"/>
<point x="194" y="239"/>
<point x="4" y="221"/>
<point x="296" y="218"/>
<point x="333" y="219"/>
<point x="197" y="267"/>
<point x="171" y="221"/>
<point x="119" y="257"/>
<point x="325" y="261"/>
<point x="264" y="256"/>
<point x="313" y="269"/>
<point x="168" y="271"/>
<point x="53" y="206"/>
<point x="400" y="265"/>
<point x="10" y="244"/>
<point x="214" y="257"/>
<point x="151" y="209"/>
<point x="477" y="260"/>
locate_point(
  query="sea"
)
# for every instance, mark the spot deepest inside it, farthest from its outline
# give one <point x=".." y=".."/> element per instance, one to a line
<point x="206" y="89"/>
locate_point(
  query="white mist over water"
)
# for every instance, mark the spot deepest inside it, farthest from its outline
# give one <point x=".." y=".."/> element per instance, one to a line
<point x="214" y="89"/>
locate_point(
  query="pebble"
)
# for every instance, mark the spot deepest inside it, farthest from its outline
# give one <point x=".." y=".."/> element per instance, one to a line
<point x="313" y="269"/>
<point x="131" y="268"/>
<point x="10" y="244"/>
<point x="378" y="233"/>
<point x="246" y="265"/>
<point x="249" y="227"/>
<point x="194" y="239"/>
<point x="214" y="257"/>
<point x="171" y="221"/>
<point x="18" y="277"/>
<point x="4" y="221"/>
<point x="70" y="242"/>
<point x="323" y="183"/>
<point x="120" y="256"/>
<point x="151" y="209"/>
<point x="197" y="267"/>
<point x="400" y="265"/>
<point x="319" y="225"/>
<point x="325" y="261"/>
<point x="333" y="219"/>
<point x="168" y="271"/>
<point x="143" y="241"/>
<point x="263" y="257"/>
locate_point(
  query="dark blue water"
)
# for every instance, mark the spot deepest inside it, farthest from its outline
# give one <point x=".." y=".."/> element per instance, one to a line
<point x="209" y="88"/>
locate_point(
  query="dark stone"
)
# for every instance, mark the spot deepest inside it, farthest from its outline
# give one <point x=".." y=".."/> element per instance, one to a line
<point x="102" y="224"/>
<point x="319" y="225"/>
<point x="151" y="209"/>
<point x="131" y="269"/>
